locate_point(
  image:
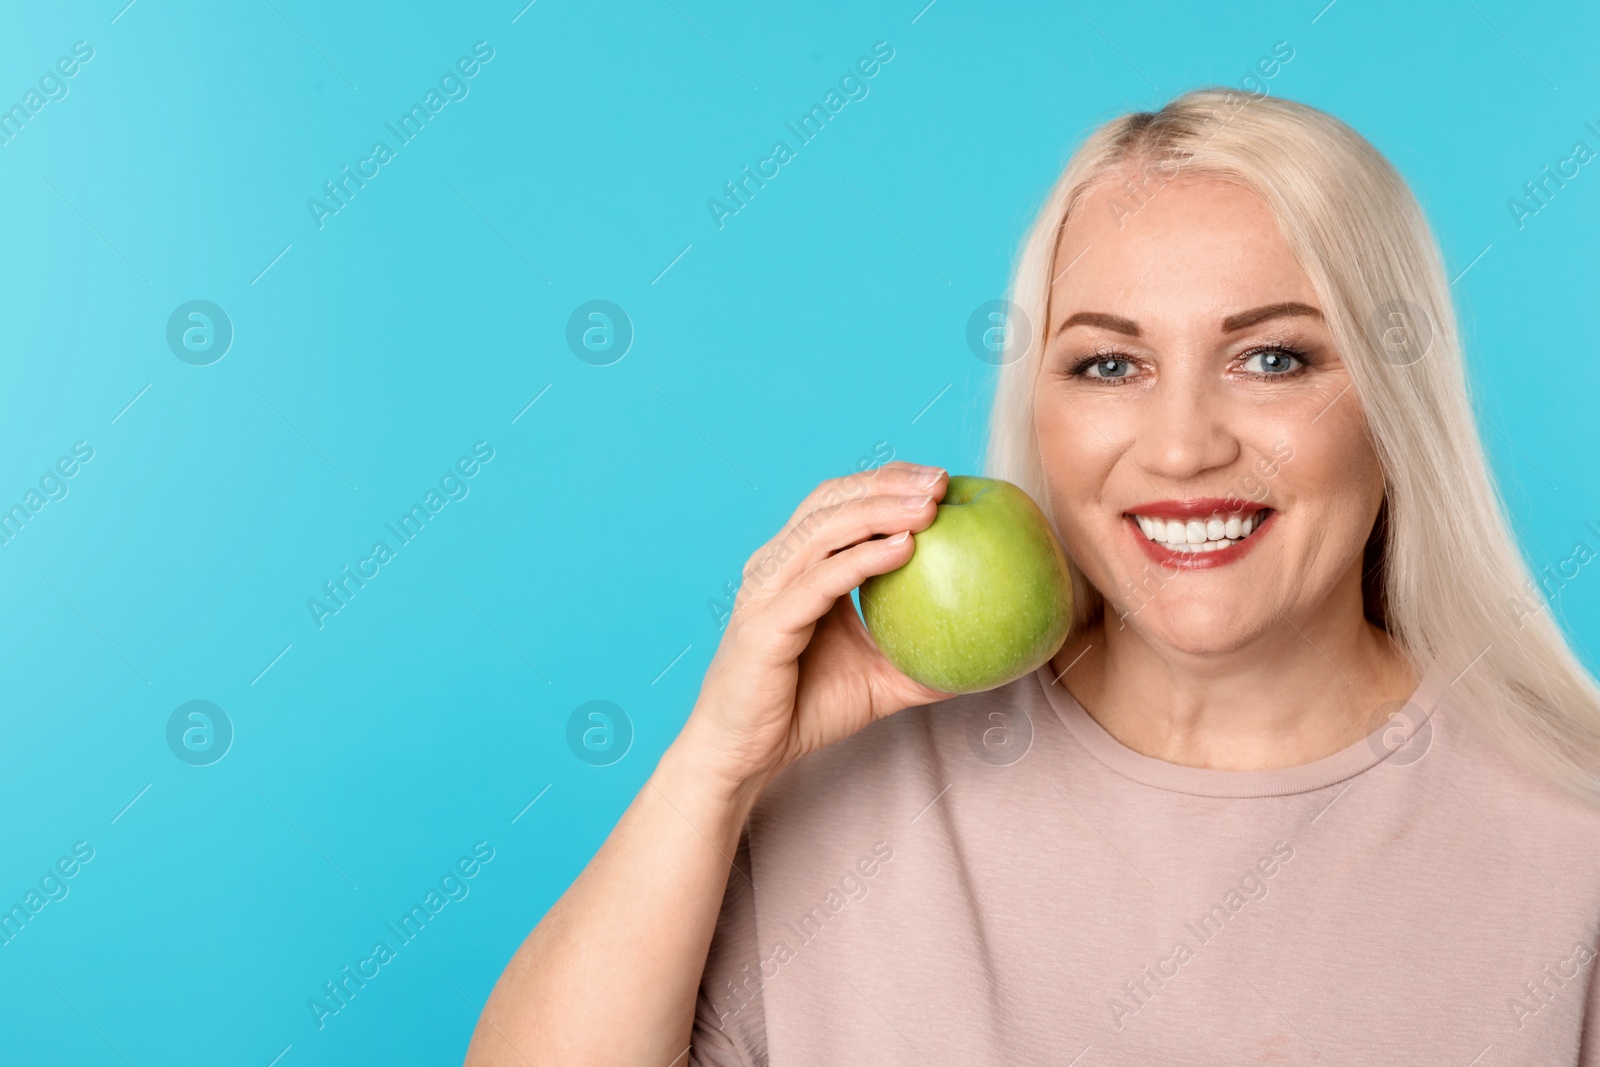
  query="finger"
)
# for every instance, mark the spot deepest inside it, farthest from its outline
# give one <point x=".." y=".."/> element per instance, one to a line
<point x="771" y="566"/>
<point x="813" y="593"/>
<point x="896" y="477"/>
<point x="823" y="532"/>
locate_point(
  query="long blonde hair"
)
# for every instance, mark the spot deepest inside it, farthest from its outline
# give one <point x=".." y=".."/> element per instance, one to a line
<point x="1443" y="575"/>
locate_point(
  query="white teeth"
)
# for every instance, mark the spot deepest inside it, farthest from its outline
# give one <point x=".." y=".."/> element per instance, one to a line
<point x="1199" y="535"/>
<point x="1209" y="546"/>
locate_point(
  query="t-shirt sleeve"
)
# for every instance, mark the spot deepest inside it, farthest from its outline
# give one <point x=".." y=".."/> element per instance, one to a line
<point x="729" y="1023"/>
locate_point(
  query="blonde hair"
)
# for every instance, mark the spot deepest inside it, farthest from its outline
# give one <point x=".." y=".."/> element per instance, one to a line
<point x="1444" y="576"/>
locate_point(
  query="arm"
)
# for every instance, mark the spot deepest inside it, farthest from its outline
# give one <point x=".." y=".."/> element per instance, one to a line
<point x="610" y="975"/>
<point x="632" y="931"/>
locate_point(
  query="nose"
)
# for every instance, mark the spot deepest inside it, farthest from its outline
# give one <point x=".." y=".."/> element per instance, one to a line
<point x="1185" y="428"/>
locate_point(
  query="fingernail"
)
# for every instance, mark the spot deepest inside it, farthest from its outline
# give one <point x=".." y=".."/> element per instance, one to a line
<point x="915" y="503"/>
<point x="897" y="538"/>
<point x="930" y="477"/>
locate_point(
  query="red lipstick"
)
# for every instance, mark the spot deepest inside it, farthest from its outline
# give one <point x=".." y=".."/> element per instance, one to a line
<point x="1200" y="507"/>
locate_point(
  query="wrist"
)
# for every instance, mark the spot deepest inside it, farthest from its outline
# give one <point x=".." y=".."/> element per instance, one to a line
<point x="689" y="766"/>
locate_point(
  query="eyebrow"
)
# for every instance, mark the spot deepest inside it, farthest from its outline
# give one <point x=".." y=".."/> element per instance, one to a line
<point x="1231" y="324"/>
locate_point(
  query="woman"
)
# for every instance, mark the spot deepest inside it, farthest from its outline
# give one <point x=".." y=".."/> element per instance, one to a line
<point x="1314" y="779"/>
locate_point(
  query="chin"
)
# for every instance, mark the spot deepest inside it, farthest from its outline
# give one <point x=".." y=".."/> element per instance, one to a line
<point x="1191" y="626"/>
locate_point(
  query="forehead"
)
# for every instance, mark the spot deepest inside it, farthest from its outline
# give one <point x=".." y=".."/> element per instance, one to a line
<point x="1191" y="251"/>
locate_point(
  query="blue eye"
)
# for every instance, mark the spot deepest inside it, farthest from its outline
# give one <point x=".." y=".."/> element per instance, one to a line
<point x="1108" y="367"/>
<point x="1273" y="361"/>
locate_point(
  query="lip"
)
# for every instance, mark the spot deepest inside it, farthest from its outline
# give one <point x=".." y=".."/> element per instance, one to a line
<point x="1200" y="507"/>
<point x="1194" y="561"/>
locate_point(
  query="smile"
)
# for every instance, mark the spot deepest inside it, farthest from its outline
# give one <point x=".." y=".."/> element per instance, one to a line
<point x="1217" y="531"/>
<point x="1200" y="533"/>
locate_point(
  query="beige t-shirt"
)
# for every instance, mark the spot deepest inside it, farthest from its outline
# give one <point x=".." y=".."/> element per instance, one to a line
<point x="995" y="879"/>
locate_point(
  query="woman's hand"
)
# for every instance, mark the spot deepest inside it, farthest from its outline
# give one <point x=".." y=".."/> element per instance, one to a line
<point x="796" y="669"/>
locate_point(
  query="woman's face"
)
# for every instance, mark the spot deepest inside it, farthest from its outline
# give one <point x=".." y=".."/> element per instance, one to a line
<point x="1207" y="460"/>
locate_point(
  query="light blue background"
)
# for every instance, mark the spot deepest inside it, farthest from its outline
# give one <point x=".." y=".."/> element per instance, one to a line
<point x="776" y="351"/>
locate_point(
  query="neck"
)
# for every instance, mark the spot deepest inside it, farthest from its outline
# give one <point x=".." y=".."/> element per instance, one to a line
<point x="1293" y="694"/>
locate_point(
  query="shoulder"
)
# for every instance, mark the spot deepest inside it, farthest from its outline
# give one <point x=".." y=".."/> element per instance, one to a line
<point x="1517" y="806"/>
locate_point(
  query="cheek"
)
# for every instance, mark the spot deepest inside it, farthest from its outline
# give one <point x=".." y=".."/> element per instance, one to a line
<point x="1079" y="464"/>
<point x="1333" y="479"/>
<point x="1076" y="447"/>
<point x="1065" y="457"/>
<point x="1333" y="456"/>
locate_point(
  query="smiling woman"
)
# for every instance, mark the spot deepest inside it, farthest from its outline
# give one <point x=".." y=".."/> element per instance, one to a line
<point x="1290" y="784"/>
<point x="1248" y="303"/>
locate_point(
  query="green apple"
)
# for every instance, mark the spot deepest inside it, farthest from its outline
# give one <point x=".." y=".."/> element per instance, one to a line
<point x="985" y="597"/>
